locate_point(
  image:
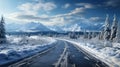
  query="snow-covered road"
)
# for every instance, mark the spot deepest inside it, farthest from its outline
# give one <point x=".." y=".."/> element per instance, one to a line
<point x="63" y="54"/>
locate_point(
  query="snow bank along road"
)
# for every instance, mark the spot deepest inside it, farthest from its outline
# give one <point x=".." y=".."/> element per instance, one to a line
<point x="63" y="54"/>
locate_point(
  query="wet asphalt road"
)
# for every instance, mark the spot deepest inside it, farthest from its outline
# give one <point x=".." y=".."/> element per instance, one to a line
<point x="76" y="57"/>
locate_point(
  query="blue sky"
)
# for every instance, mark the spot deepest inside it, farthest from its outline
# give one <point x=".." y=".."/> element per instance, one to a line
<point x="59" y="12"/>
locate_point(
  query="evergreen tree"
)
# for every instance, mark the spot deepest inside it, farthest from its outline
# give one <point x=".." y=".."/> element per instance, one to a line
<point x="114" y="28"/>
<point x="107" y="30"/>
<point x="89" y="35"/>
<point x="101" y="35"/>
<point x="2" y="31"/>
<point x="85" y="34"/>
<point x="118" y="33"/>
<point x="93" y="34"/>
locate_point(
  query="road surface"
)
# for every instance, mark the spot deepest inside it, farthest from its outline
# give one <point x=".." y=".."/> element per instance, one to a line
<point x="63" y="54"/>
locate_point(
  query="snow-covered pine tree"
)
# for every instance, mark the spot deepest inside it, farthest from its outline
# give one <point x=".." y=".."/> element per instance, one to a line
<point x="114" y="28"/>
<point x="2" y="31"/>
<point x="93" y="34"/>
<point x="107" y="30"/>
<point x="89" y="35"/>
<point x="118" y="33"/>
<point x="85" y="34"/>
<point x="101" y="35"/>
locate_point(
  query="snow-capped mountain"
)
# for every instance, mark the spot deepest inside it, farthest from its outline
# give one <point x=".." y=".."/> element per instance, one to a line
<point x="66" y="28"/>
<point x="74" y="27"/>
<point x="77" y="27"/>
<point x="56" y="28"/>
<point x="27" y="27"/>
<point x="37" y="27"/>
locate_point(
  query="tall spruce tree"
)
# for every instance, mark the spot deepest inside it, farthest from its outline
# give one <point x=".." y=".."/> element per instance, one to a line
<point x="118" y="33"/>
<point x="101" y="35"/>
<point x="107" y="30"/>
<point x="114" y="28"/>
<point x="2" y="31"/>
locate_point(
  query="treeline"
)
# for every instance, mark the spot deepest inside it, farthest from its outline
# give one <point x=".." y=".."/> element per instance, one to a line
<point x="111" y="32"/>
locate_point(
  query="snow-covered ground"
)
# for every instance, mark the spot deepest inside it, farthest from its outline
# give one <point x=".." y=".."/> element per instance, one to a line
<point x="107" y="52"/>
<point x="23" y="46"/>
<point x="19" y="47"/>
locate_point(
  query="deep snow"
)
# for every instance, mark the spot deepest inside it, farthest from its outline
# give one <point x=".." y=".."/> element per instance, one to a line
<point x="19" y="47"/>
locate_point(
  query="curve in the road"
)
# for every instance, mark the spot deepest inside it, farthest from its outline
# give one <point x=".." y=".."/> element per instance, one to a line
<point x="72" y="57"/>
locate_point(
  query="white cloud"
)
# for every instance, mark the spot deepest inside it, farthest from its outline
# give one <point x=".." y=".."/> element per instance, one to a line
<point x="94" y="18"/>
<point x="45" y="19"/>
<point x="16" y="16"/>
<point x="86" y="5"/>
<point x="72" y="12"/>
<point x="67" y="5"/>
<point x="49" y="6"/>
<point x="82" y="7"/>
<point x="44" y="6"/>
<point x="29" y="12"/>
<point x="27" y="8"/>
<point x="60" y="19"/>
<point x="35" y="7"/>
<point x="76" y="10"/>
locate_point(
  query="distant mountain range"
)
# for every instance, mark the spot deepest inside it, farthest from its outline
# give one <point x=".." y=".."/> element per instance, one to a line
<point x="38" y="27"/>
<point x="78" y="27"/>
<point x="27" y="27"/>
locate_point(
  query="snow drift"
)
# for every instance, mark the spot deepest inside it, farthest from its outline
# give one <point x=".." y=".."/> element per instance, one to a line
<point x="23" y="46"/>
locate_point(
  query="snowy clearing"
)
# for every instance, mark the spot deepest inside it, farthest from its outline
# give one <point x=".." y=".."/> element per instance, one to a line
<point x="109" y="55"/>
<point x="19" y="47"/>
